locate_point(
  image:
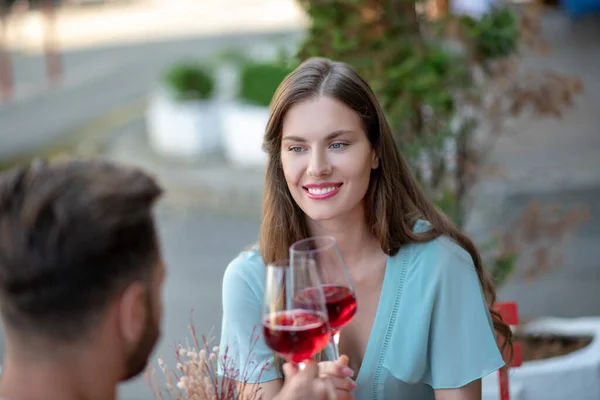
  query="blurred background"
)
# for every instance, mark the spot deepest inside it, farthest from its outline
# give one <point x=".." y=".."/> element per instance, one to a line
<point x="495" y="105"/>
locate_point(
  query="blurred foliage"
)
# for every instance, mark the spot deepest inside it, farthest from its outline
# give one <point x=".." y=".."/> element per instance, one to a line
<point x="449" y="205"/>
<point x="188" y="80"/>
<point x="440" y="79"/>
<point x="259" y="77"/>
<point x="414" y="78"/>
<point x="259" y="81"/>
<point x="495" y="35"/>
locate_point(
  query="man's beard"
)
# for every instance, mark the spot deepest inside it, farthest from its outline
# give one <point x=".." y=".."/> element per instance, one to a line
<point x="138" y="359"/>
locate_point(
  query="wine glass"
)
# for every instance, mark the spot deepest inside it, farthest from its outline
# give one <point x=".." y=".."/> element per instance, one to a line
<point x="294" y="330"/>
<point x="337" y="284"/>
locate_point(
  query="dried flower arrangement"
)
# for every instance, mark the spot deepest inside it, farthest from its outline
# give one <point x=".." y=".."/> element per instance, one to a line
<point x="205" y="373"/>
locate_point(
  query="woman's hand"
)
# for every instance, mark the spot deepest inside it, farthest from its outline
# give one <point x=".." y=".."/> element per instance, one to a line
<point x="340" y="375"/>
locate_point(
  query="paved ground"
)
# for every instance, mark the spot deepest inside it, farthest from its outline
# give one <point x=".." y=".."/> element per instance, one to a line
<point x="570" y="289"/>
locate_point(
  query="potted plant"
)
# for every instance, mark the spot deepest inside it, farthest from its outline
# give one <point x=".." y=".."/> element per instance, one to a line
<point x="183" y="118"/>
<point x="245" y="118"/>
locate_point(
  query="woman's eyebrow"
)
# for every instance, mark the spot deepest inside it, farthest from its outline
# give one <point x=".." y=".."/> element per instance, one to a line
<point x="332" y="135"/>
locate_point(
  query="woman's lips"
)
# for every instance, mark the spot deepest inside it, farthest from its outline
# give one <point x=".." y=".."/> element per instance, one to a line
<point x="322" y="191"/>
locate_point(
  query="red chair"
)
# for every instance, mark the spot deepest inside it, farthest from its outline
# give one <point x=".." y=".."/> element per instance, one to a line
<point x="509" y="313"/>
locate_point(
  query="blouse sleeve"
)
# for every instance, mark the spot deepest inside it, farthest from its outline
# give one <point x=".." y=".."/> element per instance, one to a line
<point x="442" y="334"/>
<point x="247" y="356"/>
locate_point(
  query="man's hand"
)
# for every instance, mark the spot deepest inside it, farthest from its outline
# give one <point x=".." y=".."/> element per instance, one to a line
<point x="305" y="384"/>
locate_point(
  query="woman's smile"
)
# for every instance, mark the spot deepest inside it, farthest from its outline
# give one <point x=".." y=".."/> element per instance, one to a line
<point x="322" y="191"/>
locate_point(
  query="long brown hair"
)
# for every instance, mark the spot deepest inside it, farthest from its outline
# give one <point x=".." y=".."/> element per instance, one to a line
<point x="394" y="201"/>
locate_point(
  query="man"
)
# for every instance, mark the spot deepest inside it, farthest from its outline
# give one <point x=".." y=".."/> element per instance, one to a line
<point x="81" y="278"/>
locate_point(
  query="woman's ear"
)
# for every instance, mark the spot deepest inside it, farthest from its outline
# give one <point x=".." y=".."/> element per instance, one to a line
<point x="375" y="161"/>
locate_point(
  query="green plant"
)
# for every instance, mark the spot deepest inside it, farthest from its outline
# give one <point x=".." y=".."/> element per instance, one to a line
<point x="259" y="81"/>
<point x="189" y="81"/>
<point x="495" y="35"/>
<point x="440" y="81"/>
<point x="414" y="77"/>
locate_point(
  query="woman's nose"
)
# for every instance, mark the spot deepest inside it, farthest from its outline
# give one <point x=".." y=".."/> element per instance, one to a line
<point x="319" y="165"/>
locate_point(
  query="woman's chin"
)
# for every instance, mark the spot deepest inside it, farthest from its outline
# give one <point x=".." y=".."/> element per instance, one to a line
<point x="322" y="215"/>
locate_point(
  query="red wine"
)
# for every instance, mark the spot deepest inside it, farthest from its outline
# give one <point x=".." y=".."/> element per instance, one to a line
<point x="341" y="305"/>
<point x="340" y="301"/>
<point x="296" y="335"/>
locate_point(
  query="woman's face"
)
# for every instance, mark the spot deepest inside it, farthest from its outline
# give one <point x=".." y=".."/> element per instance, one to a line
<point x="327" y="158"/>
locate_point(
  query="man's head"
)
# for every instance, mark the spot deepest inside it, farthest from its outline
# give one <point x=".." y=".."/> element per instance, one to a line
<point x="79" y="258"/>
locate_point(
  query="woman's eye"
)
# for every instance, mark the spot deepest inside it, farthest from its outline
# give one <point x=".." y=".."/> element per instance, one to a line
<point x="295" y="149"/>
<point x="338" y="145"/>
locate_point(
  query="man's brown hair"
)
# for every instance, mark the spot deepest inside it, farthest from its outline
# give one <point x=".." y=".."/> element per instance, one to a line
<point x="72" y="235"/>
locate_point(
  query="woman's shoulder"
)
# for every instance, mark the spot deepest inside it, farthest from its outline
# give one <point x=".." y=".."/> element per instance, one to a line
<point x="450" y="339"/>
<point x="437" y="257"/>
<point x="247" y="267"/>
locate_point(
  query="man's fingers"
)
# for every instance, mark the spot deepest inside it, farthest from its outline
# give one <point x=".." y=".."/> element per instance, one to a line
<point x="290" y="370"/>
<point x="310" y="370"/>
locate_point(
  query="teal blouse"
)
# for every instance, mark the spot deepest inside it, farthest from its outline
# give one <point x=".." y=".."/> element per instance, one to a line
<point x="432" y="328"/>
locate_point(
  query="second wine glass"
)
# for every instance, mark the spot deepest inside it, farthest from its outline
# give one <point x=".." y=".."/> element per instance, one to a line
<point x="337" y="285"/>
<point x="294" y="330"/>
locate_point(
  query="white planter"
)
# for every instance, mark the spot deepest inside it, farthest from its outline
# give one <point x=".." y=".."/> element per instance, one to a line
<point x="244" y="128"/>
<point x="573" y="376"/>
<point x="188" y="128"/>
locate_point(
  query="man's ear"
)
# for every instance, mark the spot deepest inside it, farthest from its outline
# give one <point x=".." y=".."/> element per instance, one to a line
<point x="133" y="311"/>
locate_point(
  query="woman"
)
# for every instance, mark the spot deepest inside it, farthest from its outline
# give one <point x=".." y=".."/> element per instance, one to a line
<point x="423" y="329"/>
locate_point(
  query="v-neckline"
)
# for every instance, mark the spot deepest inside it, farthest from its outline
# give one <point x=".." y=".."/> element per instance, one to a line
<point x="369" y="355"/>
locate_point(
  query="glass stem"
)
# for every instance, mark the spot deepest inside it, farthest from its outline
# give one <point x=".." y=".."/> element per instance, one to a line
<point x="335" y="339"/>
